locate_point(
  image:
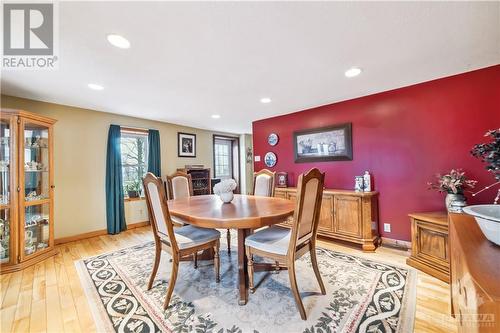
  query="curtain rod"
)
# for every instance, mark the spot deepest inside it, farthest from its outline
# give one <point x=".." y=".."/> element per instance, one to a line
<point x="133" y="129"/>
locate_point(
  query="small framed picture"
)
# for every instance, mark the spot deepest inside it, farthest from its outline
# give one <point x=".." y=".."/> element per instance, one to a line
<point x="186" y="145"/>
<point x="282" y="179"/>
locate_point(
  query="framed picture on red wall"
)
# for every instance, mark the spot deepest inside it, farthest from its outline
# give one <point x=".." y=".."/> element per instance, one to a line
<point x="331" y="143"/>
<point x="281" y="179"/>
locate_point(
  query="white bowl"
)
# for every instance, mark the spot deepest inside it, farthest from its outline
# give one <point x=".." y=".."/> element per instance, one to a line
<point x="488" y="219"/>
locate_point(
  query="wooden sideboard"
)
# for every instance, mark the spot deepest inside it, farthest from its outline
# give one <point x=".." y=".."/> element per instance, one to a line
<point x="346" y="215"/>
<point x="475" y="273"/>
<point x="429" y="244"/>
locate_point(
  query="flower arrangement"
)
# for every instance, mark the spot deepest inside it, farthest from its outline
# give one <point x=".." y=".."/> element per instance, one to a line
<point x="225" y="186"/>
<point x="490" y="152"/>
<point x="454" y="183"/>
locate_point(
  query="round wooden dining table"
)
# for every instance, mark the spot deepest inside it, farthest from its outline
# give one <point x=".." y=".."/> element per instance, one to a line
<point x="244" y="213"/>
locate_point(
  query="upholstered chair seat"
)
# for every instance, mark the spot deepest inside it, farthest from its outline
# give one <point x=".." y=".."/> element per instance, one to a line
<point x="272" y="240"/>
<point x="191" y="236"/>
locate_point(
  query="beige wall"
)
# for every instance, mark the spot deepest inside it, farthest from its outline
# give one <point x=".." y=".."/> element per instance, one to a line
<point x="80" y="160"/>
<point x="246" y="168"/>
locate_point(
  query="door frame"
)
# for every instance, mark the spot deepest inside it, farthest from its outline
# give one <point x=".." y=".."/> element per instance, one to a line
<point x="235" y="143"/>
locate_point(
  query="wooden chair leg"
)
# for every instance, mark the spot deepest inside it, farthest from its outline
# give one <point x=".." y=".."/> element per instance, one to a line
<point x="195" y="259"/>
<point x="171" y="283"/>
<point x="217" y="262"/>
<point x="251" y="286"/>
<point x="228" y="237"/>
<point x="155" y="266"/>
<point x="276" y="267"/>
<point x="295" y="290"/>
<point x="314" y="262"/>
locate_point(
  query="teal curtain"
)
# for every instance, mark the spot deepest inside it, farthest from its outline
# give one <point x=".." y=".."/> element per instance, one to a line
<point x="154" y="157"/>
<point x="115" y="211"/>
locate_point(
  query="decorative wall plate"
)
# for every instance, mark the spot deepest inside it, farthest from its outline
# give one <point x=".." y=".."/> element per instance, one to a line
<point x="270" y="159"/>
<point x="273" y="139"/>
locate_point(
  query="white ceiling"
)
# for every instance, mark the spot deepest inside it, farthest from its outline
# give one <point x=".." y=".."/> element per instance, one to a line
<point x="191" y="60"/>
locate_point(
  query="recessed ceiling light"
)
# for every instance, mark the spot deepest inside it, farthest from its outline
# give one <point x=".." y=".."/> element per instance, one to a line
<point x="265" y="100"/>
<point x="216" y="116"/>
<point x="118" y="41"/>
<point x="94" y="86"/>
<point x="352" y="72"/>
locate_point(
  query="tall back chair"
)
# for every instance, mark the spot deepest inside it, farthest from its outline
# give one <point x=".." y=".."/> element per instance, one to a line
<point x="163" y="230"/>
<point x="263" y="186"/>
<point x="307" y="209"/>
<point x="180" y="185"/>
<point x="179" y="242"/>
<point x="284" y="246"/>
<point x="263" y="183"/>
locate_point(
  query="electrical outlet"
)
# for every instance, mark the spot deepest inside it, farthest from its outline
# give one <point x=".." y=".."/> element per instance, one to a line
<point x="387" y="227"/>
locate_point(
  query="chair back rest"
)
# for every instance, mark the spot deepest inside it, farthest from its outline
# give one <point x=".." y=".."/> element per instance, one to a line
<point x="156" y="199"/>
<point x="180" y="185"/>
<point x="307" y="209"/>
<point x="263" y="183"/>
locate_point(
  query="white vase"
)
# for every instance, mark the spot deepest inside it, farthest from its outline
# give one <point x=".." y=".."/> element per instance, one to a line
<point x="226" y="197"/>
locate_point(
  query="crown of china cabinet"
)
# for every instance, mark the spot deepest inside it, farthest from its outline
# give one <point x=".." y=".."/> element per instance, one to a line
<point x="26" y="189"/>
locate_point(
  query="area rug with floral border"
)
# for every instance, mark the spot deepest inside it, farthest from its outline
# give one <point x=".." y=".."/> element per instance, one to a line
<point x="362" y="295"/>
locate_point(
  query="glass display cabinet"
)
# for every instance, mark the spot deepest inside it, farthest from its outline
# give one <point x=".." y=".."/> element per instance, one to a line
<point x="26" y="189"/>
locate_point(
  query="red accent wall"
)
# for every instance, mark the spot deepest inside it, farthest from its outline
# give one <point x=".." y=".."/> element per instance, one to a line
<point x="403" y="137"/>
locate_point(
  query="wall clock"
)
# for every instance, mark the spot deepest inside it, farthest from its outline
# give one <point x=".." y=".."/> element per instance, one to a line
<point x="270" y="159"/>
<point x="273" y="139"/>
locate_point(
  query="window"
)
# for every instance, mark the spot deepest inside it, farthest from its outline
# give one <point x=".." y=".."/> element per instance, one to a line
<point x="134" y="149"/>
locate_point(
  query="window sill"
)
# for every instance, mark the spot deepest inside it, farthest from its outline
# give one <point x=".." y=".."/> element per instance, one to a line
<point x="134" y="199"/>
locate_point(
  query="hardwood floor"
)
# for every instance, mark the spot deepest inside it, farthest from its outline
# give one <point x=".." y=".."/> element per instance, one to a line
<point x="48" y="297"/>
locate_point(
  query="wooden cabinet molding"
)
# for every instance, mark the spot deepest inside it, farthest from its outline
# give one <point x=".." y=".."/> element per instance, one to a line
<point x="429" y="244"/>
<point x="345" y="215"/>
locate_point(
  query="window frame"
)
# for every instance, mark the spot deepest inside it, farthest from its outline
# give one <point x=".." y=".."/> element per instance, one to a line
<point x="141" y="132"/>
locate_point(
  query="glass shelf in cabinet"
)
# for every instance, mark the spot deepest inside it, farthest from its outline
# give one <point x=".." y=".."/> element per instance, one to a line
<point x="35" y="147"/>
<point x="28" y="203"/>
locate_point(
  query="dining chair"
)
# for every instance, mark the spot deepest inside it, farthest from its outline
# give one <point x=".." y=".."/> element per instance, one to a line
<point x="263" y="183"/>
<point x="263" y="186"/>
<point x="179" y="185"/>
<point x="179" y="242"/>
<point x="284" y="246"/>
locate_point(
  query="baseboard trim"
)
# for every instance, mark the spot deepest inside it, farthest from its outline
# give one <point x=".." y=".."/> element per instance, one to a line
<point x="400" y="244"/>
<point x="96" y="233"/>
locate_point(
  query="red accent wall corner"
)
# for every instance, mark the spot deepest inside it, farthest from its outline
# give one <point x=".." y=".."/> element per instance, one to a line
<point x="403" y="137"/>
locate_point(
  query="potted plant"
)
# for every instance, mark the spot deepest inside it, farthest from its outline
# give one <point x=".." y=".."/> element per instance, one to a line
<point x="490" y="152"/>
<point x="454" y="184"/>
<point x="133" y="189"/>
